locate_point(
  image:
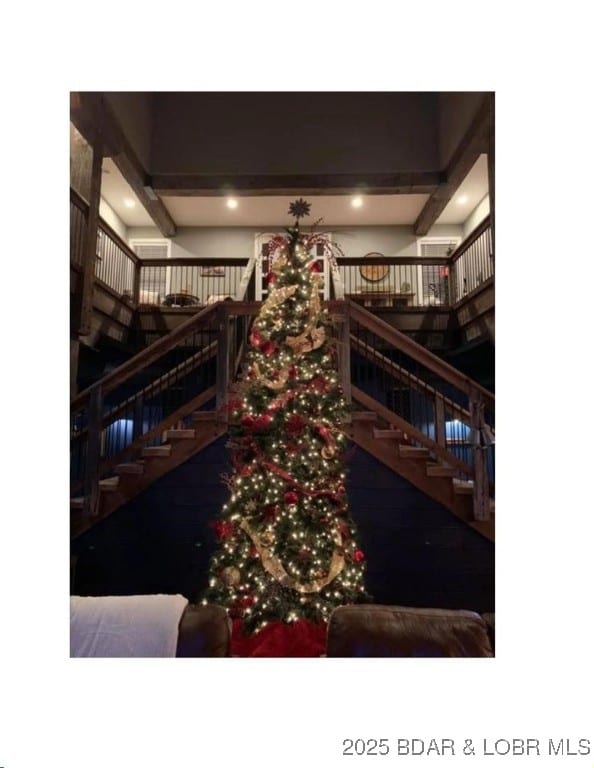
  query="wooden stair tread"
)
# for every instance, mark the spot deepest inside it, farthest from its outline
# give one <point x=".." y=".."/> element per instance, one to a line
<point x="412" y="452"/>
<point x="179" y="434"/>
<point x="130" y="468"/>
<point x="363" y="416"/>
<point x="388" y="434"/>
<point x="109" y="483"/>
<point x="440" y="470"/>
<point x="77" y="502"/>
<point x="463" y="486"/>
<point x="156" y="450"/>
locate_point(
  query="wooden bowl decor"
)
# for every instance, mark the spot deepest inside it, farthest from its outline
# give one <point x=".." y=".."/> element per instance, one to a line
<point x="374" y="272"/>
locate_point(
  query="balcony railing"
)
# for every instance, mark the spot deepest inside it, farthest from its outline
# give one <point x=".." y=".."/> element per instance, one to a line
<point x="189" y="281"/>
<point x="472" y="263"/>
<point x="382" y="283"/>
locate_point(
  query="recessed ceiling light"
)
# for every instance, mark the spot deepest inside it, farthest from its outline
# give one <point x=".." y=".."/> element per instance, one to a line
<point x="462" y="199"/>
<point x="357" y="202"/>
<point x="129" y="203"/>
<point x="232" y="202"/>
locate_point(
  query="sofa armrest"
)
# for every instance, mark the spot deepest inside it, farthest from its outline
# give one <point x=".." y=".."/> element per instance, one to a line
<point x="395" y="631"/>
<point x="204" y="630"/>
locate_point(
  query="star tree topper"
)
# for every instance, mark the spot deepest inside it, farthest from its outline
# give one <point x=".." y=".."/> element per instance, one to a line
<point x="299" y="208"/>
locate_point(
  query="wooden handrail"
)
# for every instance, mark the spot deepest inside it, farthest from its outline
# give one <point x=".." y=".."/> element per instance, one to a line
<point x="82" y="204"/>
<point x="392" y="418"/>
<point x="400" y="373"/>
<point x="194" y="261"/>
<point x="79" y="201"/>
<point x="147" y="355"/>
<point x="103" y="225"/>
<point x="402" y="342"/>
<point x="472" y="237"/>
<point x="430" y="261"/>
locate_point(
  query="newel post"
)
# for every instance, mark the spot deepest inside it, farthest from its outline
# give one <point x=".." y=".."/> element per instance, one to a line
<point x="480" y="494"/>
<point x="91" y="482"/>
<point x="440" y="435"/>
<point x="344" y="353"/>
<point x="223" y="360"/>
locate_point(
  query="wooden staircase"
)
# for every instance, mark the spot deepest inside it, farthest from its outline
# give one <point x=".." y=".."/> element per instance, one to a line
<point x="425" y="462"/>
<point x="148" y="465"/>
<point x="437" y="478"/>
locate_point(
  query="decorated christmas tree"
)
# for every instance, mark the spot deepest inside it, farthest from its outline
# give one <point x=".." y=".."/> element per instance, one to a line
<point x="287" y="546"/>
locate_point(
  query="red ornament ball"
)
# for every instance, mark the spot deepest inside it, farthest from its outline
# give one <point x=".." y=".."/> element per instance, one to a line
<point x="268" y="348"/>
<point x="358" y="556"/>
<point x="255" y="338"/>
<point x="270" y="278"/>
<point x="291" y="497"/>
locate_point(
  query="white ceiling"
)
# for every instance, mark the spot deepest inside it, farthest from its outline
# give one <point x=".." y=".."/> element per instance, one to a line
<point x="261" y="211"/>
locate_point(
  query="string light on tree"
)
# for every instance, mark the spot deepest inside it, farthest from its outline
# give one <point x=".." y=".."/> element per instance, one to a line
<point x="287" y="546"/>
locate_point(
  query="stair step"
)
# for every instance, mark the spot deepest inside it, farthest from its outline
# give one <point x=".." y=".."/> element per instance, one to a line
<point x="179" y="434"/>
<point x="109" y="483"/>
<point x="463" y="486"/>
<point x="388" y="434"/>
<point x="440" y="470"/>
<point x="363" y="416"/>
<point x="130" y="468"/>
<point x="412" y="452"/>
<point x="157" y="450"/>
<point x="77" y="502"/>
<point x="203" y="415"/>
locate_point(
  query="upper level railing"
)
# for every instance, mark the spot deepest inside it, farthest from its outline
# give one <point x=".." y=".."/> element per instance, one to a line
<point x="190" y="282"/>
<point x="375" y="283"/>
<point x="116" y="264"/>
<point x="472" y="263"/>
<point x="384" y="282"/>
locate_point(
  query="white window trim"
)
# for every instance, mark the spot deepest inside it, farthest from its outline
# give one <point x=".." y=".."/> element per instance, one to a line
<point x="457" y="239"/>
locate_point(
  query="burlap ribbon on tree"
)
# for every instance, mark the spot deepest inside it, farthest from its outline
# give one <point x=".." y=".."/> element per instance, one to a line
<point x="276" y="569"/>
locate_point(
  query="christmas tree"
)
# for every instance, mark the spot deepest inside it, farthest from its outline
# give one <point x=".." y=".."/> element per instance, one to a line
<point x="288" y="548"/>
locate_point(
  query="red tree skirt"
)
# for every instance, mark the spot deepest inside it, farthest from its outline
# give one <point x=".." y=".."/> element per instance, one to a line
<point x="302" y="638"/>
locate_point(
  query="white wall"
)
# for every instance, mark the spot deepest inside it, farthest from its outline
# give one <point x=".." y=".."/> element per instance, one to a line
<point x="107" y="213"/>
<point x="238" y="242"/>
<point x="477" y="215"/>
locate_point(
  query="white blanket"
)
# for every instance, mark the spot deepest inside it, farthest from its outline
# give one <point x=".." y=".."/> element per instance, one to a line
<point x="123" y="626"/>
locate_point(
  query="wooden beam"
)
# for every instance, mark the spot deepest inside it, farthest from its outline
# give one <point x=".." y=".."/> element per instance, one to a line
<point x="90" y="248"/>
<point x="194" y="185"/>
<point x="91" y="113"/>
<point x="474" y="142"/>
<point x="491" y="171"/>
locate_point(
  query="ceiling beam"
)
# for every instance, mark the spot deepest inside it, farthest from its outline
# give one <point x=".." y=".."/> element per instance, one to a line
<point x="199" y="185"/>
<point x="474" y="143"/>
<point x="94" y="118"/>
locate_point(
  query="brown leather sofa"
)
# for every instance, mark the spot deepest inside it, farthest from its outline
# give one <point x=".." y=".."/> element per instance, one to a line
<point x="204" y="630"/>
<point x="396" y="631"/>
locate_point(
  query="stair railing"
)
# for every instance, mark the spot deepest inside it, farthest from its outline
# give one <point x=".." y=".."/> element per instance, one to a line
<point x="435" y="405"/>
<point x="133" y="404"/>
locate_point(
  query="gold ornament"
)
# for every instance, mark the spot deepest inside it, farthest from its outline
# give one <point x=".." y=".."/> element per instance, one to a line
<point x="274" y="385"/>
<point x="280" y="261"/>
<point x="231" y="575"/>
<point x="267" y="538"/>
